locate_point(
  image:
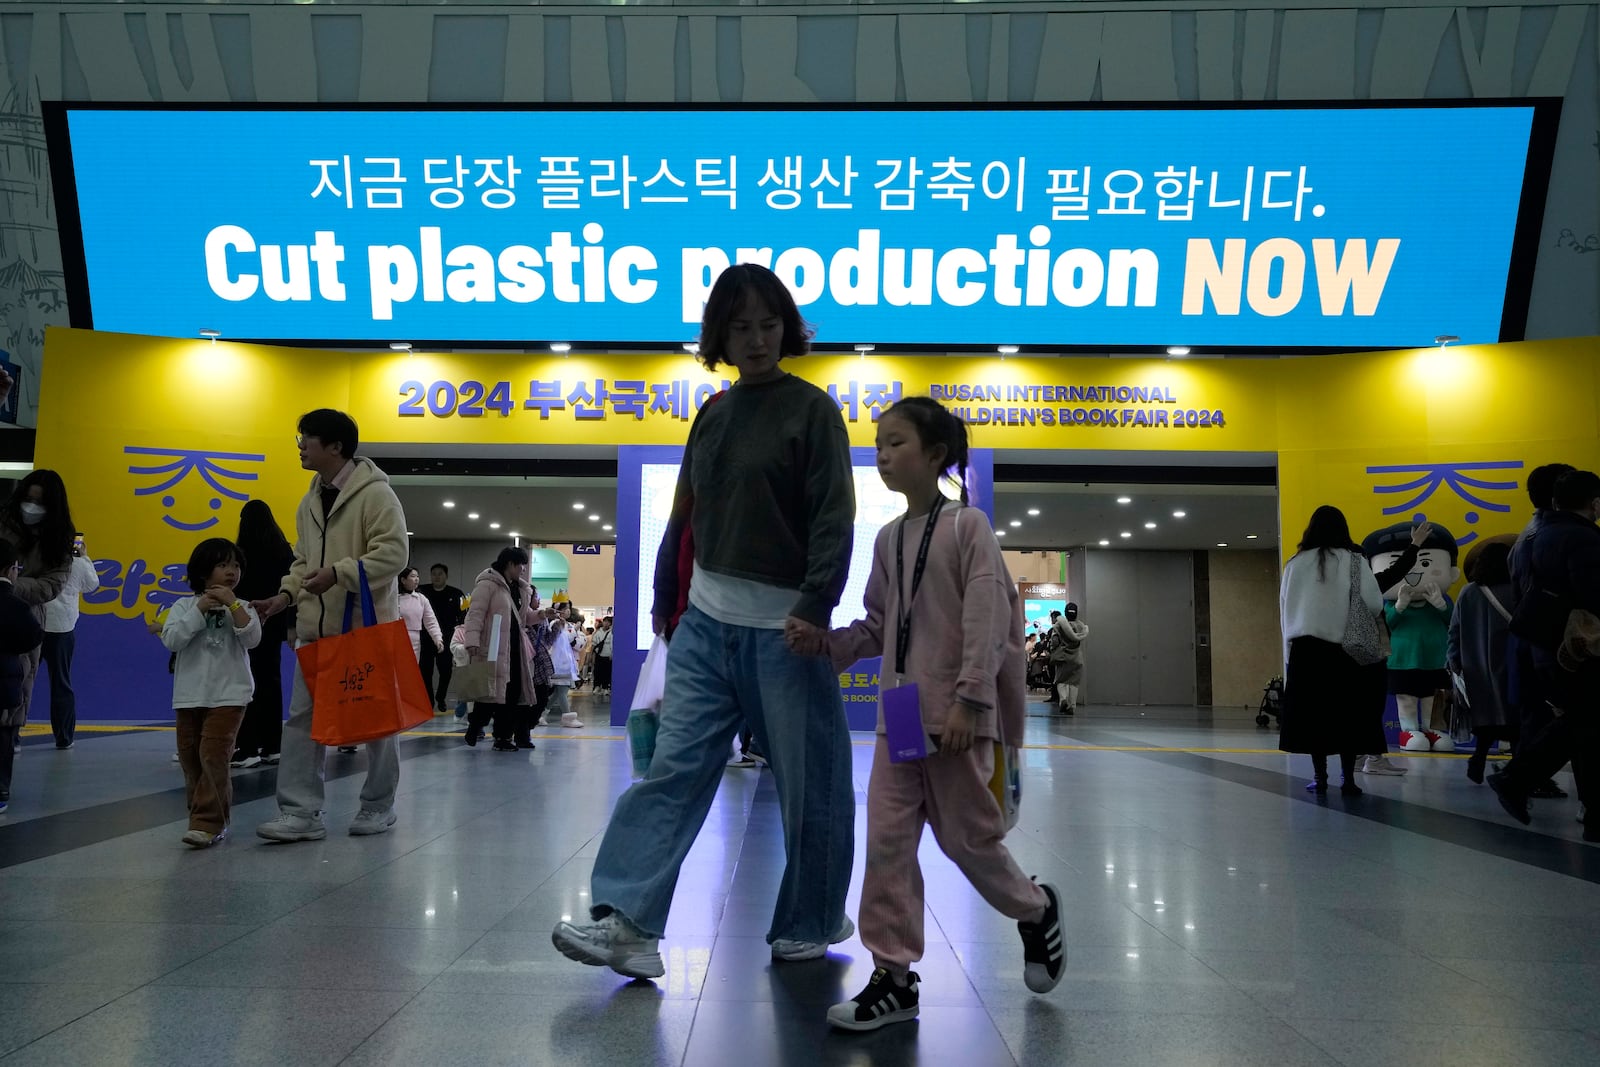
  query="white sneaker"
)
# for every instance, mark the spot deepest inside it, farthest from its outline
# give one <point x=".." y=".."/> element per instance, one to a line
<point x="1381" y="765"/>
<point x="369" y="822"/>
<point x="174" y="757"/>
<point x="795" y="951"/>
<point x="570" y="721"/>
<point x="610" y="942"/>
<point x="288" y="827"/>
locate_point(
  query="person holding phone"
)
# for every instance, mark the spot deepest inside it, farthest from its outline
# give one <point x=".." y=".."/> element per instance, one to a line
<point x="60" y="641"/>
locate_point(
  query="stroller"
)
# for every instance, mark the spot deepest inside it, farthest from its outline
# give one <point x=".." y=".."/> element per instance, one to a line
<point x="1271" y="703"/>
<point x="1041" y="674"/>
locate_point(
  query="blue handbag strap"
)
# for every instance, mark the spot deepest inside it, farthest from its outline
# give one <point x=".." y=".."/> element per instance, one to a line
<point x="369" y="611"/>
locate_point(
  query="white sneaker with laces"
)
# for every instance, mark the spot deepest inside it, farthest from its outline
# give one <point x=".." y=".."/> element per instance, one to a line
<point x="1381" y="765"/>
<point x="369" y="822"/>
<point x="795" y="951"/>
<point x="610" y="942"/>
<point x="288" y="827"/>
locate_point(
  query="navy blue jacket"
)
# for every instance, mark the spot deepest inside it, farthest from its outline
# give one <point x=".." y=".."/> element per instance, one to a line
<point x="20" y="633"/>
<point x="1564" y="557"/>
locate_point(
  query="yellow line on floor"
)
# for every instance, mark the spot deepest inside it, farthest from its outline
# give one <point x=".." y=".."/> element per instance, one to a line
<point x="34" y="730"/>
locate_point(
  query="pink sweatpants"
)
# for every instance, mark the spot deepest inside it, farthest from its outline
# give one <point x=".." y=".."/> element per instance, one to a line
<point x="951" y="794"/>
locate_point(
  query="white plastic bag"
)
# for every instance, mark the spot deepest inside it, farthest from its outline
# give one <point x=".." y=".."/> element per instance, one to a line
<point x="652" y="678"/>
<point x="644" y="715"/>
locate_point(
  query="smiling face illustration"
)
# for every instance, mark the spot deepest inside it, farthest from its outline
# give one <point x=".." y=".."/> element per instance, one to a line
<point x="190" y="500"/>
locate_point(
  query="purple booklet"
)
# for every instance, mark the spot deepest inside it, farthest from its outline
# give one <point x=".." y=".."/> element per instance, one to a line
<point x="902" y="723"/>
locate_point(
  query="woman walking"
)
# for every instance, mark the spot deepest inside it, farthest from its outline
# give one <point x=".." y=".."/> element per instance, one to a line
<point x="417" y="613"/>
<point x="37" y="520"/>
<point x="503" y="607"/>
<point x="1478" y="654"/>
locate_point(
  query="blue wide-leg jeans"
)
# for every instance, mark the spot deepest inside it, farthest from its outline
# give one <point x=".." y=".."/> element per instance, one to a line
<point x="719" y="676"/>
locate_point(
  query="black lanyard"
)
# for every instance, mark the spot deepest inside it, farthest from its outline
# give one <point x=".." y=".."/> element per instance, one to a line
<point x="916" y="579"/>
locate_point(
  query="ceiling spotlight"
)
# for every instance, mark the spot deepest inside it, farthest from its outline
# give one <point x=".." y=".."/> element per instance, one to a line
<point x="1179" y="514"/>
<point x="999" y="533"/>
<point x="1222" y="544"/>
<point x="692" y="347"/>
<point x="594" y="518"/>
<point x="513" y="533"/>
<point x="472" y="514"/>
<point x="1015" y="523"/>
<point x="562" y="347"/>
<point x="1033" y="511"/>
<point x="1178" y="350"/>
<point x="211" y="334"/>
<point x="606" y="527"/>
<point x="400" y="346"/>
<point x="1442" y="340"/>
<point x="411" y="533"/>
<point x="1249" y="537"/>
<point x="578" y="506"/>
<point x="1009" y="350"/>
<point x="1124" y="499"/>
<point x="1103" y="543"/>
<point x="864" y="349"/>
<point x="494" y="526"/>
<point x="1126" y="533"/>
<point x="1149" y="526"/>
<point x="449" y="503"/>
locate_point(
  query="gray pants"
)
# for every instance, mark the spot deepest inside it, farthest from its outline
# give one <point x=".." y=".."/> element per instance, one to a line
<point x="301" y="768"/>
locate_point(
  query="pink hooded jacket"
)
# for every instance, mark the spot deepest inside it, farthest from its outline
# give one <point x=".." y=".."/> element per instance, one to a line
<point x="491" y="597"/>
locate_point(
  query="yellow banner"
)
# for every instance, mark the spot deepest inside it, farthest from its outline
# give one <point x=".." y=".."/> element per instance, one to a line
<point x="160" y="441"/>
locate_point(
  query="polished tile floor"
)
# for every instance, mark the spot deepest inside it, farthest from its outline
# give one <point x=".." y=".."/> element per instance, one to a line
<point x="1215" y="914"/>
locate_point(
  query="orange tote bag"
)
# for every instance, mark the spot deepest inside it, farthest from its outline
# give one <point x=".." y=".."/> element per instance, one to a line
<point x="365" y="683"/>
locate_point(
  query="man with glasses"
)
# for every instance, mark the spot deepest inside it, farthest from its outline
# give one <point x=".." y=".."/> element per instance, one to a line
<point x="350" y="517"/>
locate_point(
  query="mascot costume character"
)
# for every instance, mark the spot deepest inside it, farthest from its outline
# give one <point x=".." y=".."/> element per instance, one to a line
<point x="1418" y="613"/>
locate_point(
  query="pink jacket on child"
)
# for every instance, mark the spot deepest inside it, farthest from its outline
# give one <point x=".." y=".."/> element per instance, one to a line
<point x="966" y="623"/>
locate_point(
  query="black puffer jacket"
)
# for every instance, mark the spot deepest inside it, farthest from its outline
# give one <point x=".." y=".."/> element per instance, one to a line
<point x="20" y="633"/>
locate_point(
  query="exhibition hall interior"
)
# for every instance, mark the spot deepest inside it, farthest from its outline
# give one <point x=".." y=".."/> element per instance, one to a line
<point x="1200" y="400"/>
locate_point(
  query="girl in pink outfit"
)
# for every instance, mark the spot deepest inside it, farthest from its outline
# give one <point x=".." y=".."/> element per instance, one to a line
<point x="944" y="614"/>
<point x="417" y="613"/>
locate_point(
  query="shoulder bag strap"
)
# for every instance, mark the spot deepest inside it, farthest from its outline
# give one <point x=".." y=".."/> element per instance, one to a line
<point x="1501" y="608"/>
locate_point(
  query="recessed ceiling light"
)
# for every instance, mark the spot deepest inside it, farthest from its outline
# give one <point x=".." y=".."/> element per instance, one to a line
<point x="1249" y="537"/>
<point x="1179" y="514"/>
<point x="561" y="346"/>
<point x="1178" y="350"/>
<point x="1009" y="350"/>
<point x="606" y="527"/>
<point x="1033" y="511"/>
<point x="400" y="346"/>
<point x="1104" y="543"/>
<point x="212" y="334"/>
<point x="999" y="533"/>
<point x="1222" y="544"/>
<point x="513" y="533"/>
<point x="594" y="518"/>
<point x="411" y="533"/>
<point x="692" y="348"/>
<point x="449" y="503"/>
<point x="1124" y="499"/>
<point x="494" y="526"/>
<point x="864" y="349"/>
<point x="472" y="514"/>
<point x="1149" y="526"/>
<point x="1126" y="533"/>
<point x="578" y="506"/>
<point x="1015" y="523"/>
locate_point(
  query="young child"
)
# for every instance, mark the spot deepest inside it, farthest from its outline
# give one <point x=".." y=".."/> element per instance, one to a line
<point x="212" y="634"/>
<point x="20" y="633"/>
<point x="944" y="614"/>
<point x="564" y="672"/>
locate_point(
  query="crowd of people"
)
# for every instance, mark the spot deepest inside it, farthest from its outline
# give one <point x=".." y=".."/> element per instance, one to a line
<point x="751" y="567"/>
<point x="1523" y="648"/>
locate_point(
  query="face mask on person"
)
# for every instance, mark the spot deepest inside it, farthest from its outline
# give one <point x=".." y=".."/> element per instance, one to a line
<point x="32" y="514"/>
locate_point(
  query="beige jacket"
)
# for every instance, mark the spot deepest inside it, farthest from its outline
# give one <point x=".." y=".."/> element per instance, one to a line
<point x="367" y="526"/>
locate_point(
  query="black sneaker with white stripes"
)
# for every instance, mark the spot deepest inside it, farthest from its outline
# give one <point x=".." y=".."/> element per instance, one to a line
<point x="884" y="1001"/>
<point x="1044" y="953"/>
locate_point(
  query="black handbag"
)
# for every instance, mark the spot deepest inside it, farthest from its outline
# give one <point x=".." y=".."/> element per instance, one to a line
<point x="1540" y="618"/>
